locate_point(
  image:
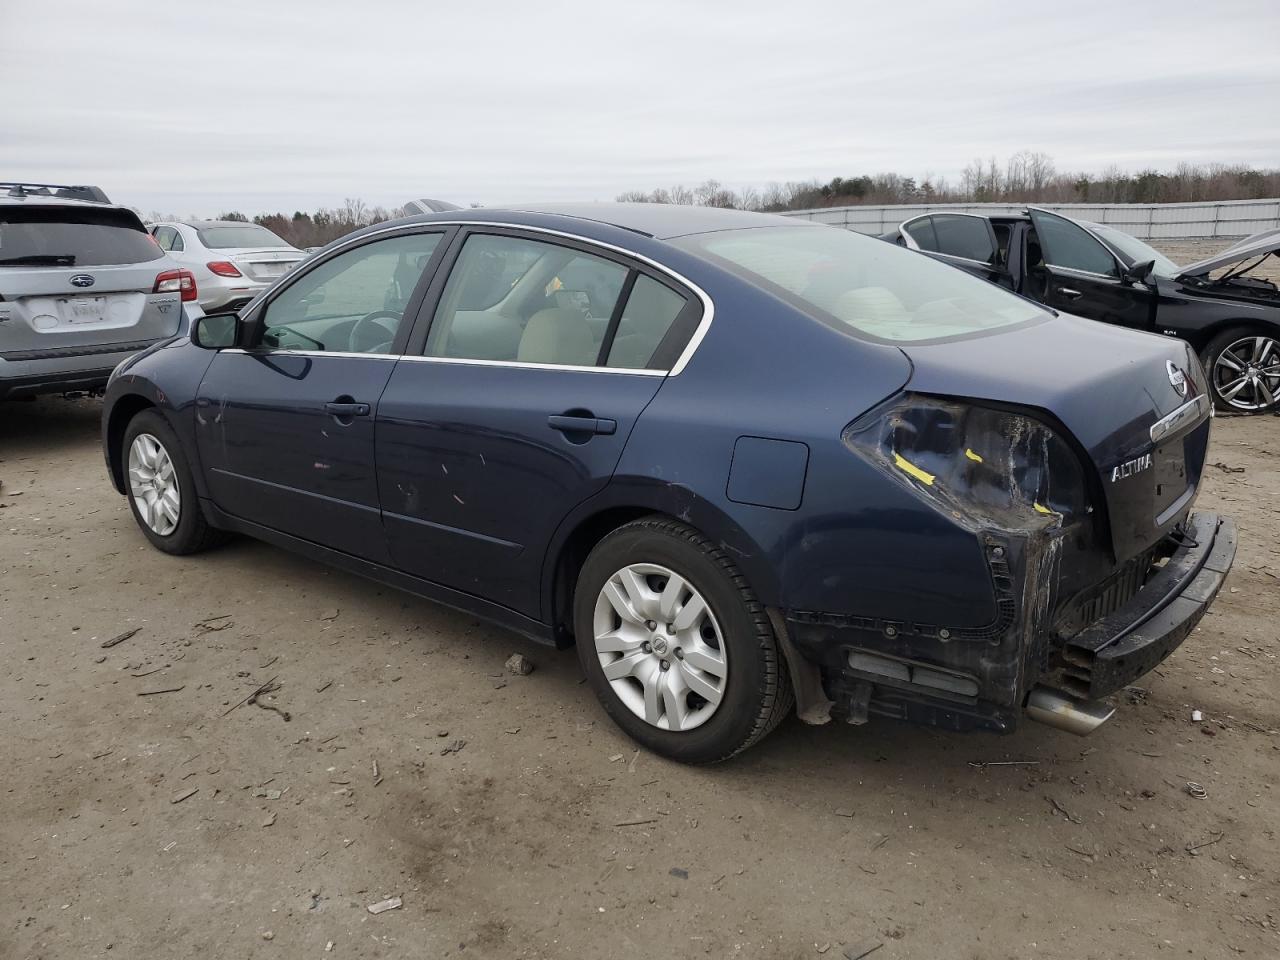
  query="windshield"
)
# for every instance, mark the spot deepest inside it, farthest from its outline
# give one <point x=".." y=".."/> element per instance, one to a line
<point x="1135" y="251"/>
<point x="864" y="285"/>
<point x="227" y="236"/>
<point x="72" y="237"/>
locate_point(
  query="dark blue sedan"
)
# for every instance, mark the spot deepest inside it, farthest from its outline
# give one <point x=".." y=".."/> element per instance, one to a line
<point x="745" y="464"/>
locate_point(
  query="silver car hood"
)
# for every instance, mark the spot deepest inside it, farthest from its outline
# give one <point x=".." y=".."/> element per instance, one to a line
<point x="1256" y="246"/>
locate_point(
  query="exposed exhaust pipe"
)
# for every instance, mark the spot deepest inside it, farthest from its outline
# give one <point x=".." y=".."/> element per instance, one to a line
<point x="1058" y="710"/>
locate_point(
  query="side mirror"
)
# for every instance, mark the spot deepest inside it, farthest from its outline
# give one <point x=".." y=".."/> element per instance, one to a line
<point x="1139" y="272"/>
<point x="215" y="331"/>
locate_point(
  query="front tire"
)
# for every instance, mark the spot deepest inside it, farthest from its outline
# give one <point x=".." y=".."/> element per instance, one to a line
<point x="162" y="493"/>
<point x="675" y="645"/>
<point x="1243" y="367"/>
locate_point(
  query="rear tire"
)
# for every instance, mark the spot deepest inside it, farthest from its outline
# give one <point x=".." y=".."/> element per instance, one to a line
<point x="161" y="490"/>
<point x="709" y="635"/>
<point x="1243" y="369"/>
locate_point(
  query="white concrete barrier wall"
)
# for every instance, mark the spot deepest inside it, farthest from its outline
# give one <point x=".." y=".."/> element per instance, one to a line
<point x="1150" y="221"/>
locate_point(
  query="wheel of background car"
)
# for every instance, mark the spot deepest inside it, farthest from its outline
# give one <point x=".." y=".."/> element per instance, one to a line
<point x="675" y="645"/>
<point x="371" y="324"/>
<point x="1244" y="371"/>
<point x="160" y="487"/>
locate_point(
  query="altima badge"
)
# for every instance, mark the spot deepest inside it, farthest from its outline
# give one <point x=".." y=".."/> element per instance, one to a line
<point x="1177" y="379"/>
<point x="1130" y="467"/>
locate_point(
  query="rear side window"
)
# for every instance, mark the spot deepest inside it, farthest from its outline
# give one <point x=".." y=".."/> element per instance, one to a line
<point x="55" y="236"/>
<point x="966" y="237"/>
<point x="514" y="299"/>
<point x="649" y="313"/>
<point x="231" y="235"/>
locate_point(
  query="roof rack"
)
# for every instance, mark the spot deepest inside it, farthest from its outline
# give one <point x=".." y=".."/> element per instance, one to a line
<point x="20" y="190"/>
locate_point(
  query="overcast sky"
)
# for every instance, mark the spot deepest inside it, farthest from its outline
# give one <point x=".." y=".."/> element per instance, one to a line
<point x="196" y="108"/>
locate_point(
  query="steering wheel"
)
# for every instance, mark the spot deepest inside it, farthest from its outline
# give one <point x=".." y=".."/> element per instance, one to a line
<point x="372" y="324"/>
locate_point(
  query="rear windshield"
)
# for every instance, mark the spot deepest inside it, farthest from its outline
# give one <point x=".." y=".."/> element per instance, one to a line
<point x="230" y="235"/>
<point x="863" y="285"/>
<point x="34" y="236"/>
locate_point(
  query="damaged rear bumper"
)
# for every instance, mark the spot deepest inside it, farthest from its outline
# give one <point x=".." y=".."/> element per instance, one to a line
<point x="879" y="668"/>
<point x="1118" y="649"/>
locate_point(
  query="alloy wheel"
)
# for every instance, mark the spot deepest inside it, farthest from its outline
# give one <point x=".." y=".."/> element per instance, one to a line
<point x="1246" y="375"/>
<point x="153" y="481"/>
<point x="660" y="647"/>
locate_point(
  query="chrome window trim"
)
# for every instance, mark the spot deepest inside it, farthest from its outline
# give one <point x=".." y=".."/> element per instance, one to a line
<point x="708" y="305"/>
<point x="411" y="358"/>
<point x="1193" y="411"/>
<point x="1083" y="273"/>
<point x="350" y="355"/>
<point x="525" y="365"/>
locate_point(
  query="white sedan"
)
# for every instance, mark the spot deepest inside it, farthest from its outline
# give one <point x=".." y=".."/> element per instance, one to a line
<point x="232" y="261"/>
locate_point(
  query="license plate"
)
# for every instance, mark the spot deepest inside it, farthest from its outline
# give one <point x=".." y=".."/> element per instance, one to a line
<point x="84" y="309"/>
<point x="271" y="269"/>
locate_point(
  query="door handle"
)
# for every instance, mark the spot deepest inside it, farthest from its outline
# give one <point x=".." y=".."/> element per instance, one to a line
<point x="339" y="408"/>
<point x="1069" y="293"/>
<point x="567" y="424"/>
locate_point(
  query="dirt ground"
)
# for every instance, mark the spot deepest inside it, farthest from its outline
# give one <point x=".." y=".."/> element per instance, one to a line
<point x="515" y="821"/>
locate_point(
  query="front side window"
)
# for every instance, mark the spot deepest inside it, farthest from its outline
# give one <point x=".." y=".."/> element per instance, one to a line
<point x="1067" y="245"/>
<point x="863" y="285"/>
<point x="509" y="298"/>
<point x="966" y="237"/>
<point x="352" y="303"/>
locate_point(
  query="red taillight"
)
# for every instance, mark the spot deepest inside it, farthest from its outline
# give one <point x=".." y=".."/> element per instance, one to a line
<point x="177" y="281"/>
<point x="223" y="268"/>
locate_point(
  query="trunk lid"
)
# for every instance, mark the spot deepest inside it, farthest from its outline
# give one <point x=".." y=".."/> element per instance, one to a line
<point x="1108" y="386"/>
<point x="263" y="265"/>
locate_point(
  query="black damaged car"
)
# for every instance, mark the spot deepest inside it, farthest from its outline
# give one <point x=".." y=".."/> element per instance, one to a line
<point x="1093" y="270"/>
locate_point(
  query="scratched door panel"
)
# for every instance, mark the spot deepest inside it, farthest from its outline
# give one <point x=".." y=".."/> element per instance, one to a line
<point x="473" y="477"/>
<point x="276" y="456"/>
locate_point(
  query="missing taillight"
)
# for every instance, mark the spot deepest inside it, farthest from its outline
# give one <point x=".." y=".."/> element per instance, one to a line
<point x="988" y="464"/>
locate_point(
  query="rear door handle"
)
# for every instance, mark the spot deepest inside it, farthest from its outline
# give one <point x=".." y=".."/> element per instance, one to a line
<point x="339" y="409"/>
<point x="583" y="425"/>
<point x="1069" y="293"/>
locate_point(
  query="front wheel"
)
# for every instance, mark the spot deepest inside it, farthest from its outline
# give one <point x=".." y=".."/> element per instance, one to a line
<point x="1244" y="371"/>
<point x="162" y="493"/>
<point x="675" y="645"/>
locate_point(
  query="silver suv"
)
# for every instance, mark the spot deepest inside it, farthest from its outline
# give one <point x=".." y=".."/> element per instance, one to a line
<point x="82" y="287"/>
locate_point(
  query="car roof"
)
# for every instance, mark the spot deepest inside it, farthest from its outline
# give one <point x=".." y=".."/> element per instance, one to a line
<point x="41" y="200"/>
<point x="662" y="221"/>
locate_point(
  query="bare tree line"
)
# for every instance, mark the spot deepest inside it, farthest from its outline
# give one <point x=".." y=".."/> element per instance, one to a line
<point x="1026" y="177"/>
